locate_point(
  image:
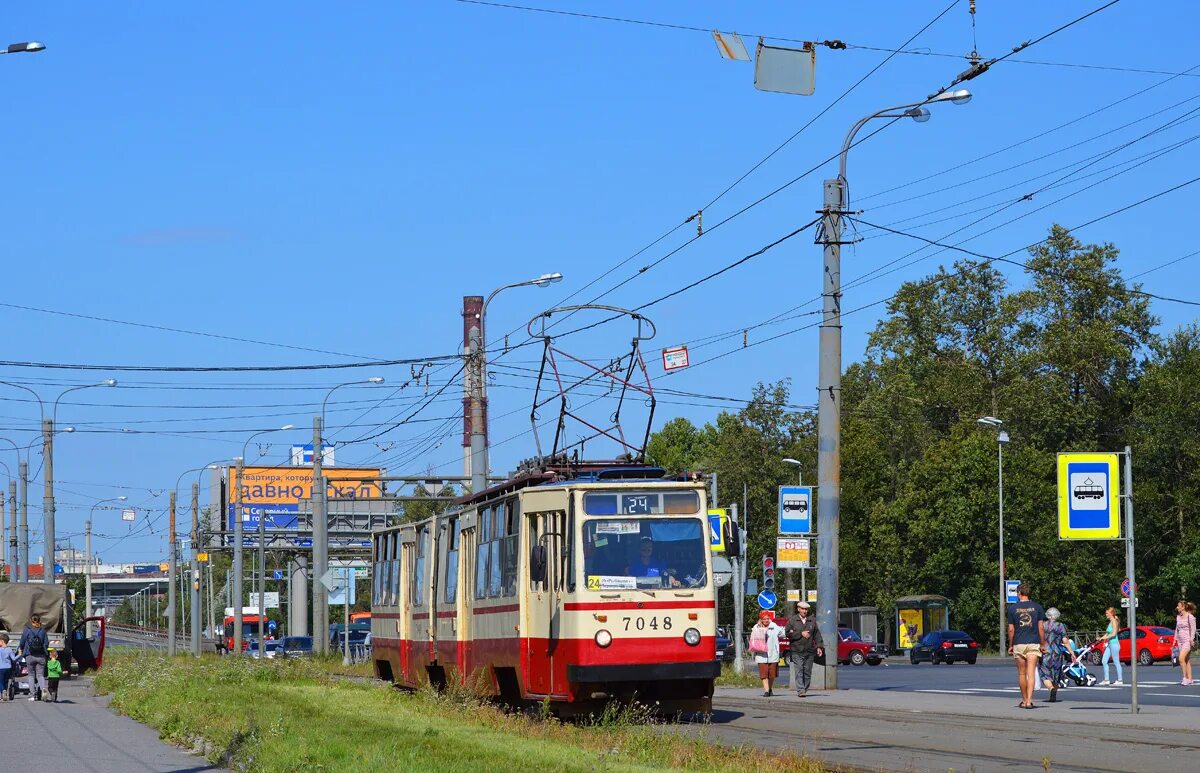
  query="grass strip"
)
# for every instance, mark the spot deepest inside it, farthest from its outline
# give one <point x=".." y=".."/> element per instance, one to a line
<point x="301" y="715"/>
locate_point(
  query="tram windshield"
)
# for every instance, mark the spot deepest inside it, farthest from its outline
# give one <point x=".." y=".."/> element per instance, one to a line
<point x="644" y="553"/>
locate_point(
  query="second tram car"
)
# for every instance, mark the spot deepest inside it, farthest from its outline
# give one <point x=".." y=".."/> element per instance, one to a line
<point x="574" y="586"/>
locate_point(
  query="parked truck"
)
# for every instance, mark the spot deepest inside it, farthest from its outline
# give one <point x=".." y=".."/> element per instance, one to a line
<point x="78" y="649"/>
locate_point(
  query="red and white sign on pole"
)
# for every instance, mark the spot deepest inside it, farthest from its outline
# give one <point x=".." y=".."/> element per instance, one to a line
<point x="675" y="358"/>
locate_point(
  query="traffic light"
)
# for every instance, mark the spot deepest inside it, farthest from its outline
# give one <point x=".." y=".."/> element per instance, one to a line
<point x="768" y="573"/>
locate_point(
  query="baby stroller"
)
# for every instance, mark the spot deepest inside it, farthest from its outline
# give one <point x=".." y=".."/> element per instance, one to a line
<point x="21" y="681"/>
<point x="1075" y="672"/>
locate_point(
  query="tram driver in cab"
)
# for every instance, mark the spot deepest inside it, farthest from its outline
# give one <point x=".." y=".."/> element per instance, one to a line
<point x="647" y="565"/>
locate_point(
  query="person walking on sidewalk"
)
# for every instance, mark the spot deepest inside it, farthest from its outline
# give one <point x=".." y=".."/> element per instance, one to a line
<point x="1112" y="648"/>
<point x="1185" y="632"/>
<point x="804" y="642"/>
<point x="8" y="665"/>
<point x="53" y="674"/>
<point x="764" y="643"/>
<point x="34" y="645"/>
<point x="1056" y="649"/>
<point x="1027" y="641"/>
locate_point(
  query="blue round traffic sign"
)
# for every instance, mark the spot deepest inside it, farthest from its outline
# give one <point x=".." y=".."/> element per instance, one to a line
<point x="767" y="600"/>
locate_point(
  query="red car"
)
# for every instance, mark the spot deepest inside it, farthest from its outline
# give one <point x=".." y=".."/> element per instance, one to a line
<point x="1154" y="643"/>
<point x="852" y="650"/>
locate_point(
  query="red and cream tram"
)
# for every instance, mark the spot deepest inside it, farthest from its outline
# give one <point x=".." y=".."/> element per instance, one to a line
<point x="573" y="586"/>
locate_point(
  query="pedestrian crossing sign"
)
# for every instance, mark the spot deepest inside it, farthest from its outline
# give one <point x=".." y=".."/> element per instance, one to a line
<point x="1088" y="496"/>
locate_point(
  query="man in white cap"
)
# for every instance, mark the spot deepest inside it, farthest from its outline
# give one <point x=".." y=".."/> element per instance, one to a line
<point x="804" y="641"/>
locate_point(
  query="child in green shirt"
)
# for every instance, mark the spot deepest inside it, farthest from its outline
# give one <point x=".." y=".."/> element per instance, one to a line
<point x="53" y="674"/>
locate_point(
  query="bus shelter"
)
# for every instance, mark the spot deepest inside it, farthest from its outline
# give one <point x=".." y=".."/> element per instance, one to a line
<point x="917" y="616"/>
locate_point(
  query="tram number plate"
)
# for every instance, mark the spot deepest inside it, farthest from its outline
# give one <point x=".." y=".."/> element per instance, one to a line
<point x="647" y="623"/>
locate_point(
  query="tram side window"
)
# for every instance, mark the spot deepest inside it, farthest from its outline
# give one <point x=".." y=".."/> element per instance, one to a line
<point x="484" y="536"/>
<point x="450" y="581"/>
<point x="418" y="589"/>
<point x="376" y="575"/>
<point x="495" y="574"/>
<point x="509" y="547"/>
<point x="531" y="523"/>
<point x="393" y="554"/>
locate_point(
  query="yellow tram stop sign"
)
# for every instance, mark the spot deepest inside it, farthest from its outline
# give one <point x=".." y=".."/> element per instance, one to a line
<point x="1088" y="496"/>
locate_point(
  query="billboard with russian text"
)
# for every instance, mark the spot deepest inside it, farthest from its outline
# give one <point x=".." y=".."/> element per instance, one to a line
<point x="275" y="493"/>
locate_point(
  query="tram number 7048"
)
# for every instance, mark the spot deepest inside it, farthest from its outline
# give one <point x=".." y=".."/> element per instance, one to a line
<point x="642" y="623"/>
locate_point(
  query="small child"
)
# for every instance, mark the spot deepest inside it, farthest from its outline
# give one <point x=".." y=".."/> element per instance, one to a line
<point x="53" y="674"/>
<point x="8" y="664"/>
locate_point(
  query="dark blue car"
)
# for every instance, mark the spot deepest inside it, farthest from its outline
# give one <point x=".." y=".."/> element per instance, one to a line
<point x="725" y="653"/>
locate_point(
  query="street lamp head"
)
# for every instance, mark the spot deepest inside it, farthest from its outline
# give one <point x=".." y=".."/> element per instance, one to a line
<point x="918" y="114"/>
<point x="68" y="429"/>
<point x="792" y="461"/>
<point x="959" y="97"/>
<point x="287" y="427"/>
<point x="122" y="498"/>
<point x="990" y="421"/>
<point x="1002" y="437"/>
<point x="375" y="380"/>
<point x="545" y="280"/>
<point x="31" y="47"/>
<point x="108" y="382"/>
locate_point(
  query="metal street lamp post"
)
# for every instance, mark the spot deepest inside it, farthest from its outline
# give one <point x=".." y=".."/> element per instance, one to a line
<point x="1001" y="439"/>
<point x="48" y="425"/>
<point x="238" y="529"/>
<point x="87" y="549"/>
<point x="477" y="370"/>
<point x="320" y="524"/>
<point x="829" y="422"/>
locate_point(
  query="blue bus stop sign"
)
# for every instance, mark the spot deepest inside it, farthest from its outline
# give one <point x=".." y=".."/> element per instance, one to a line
<point x="1010" y="591"/>
<point x="767" y="600"/>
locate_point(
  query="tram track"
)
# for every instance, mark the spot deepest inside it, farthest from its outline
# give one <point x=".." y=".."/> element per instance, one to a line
<point x="942" y="740"/>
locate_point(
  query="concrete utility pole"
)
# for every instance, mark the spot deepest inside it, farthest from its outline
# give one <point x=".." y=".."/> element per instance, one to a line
<point x="48" y="498"/>
<point x="237" y="557"/>
<point x="172" y="562"/>
<point x="320" y="528"/>
<point x="262" y="579"/>
<point x="23" y="544"/>
<point x="87" y="570"/>
<point x="472" y="306"/>
<point x="195" y="570"/>
<point x="298" y="597"/>
<point x="829" y="386"/>
<point x="14" y="562"/>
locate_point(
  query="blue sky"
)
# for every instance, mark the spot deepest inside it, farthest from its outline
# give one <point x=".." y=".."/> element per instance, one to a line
<point x="338" y="176"/>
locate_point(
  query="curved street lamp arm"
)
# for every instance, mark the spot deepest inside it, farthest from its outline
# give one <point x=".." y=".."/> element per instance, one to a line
<point x="36" y="396"/>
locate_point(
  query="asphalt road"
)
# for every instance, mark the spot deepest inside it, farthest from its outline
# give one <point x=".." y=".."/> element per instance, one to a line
<point x="909" y="718"/>
<point x="1158" y="685"/>
<point x="80" y="734"/>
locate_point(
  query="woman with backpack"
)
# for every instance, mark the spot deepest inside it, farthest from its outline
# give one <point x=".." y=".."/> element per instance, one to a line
<point x="35" y="646"/>
<point x="1185" y="632"/>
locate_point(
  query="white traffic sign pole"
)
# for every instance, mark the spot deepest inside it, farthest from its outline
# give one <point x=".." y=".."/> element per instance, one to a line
<point x="1133" y="650"/>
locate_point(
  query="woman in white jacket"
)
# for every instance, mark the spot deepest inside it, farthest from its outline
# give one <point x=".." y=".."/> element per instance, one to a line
<point x="764" y="643"/>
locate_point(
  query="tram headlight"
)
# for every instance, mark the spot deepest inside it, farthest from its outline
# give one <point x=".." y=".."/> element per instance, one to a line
<point x="604" y="638"/>
<point x="691" y="636"/>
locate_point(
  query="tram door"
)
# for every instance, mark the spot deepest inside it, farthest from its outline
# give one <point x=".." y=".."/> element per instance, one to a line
<point x="403" y="586"/>
<point x="544" y="612"/>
